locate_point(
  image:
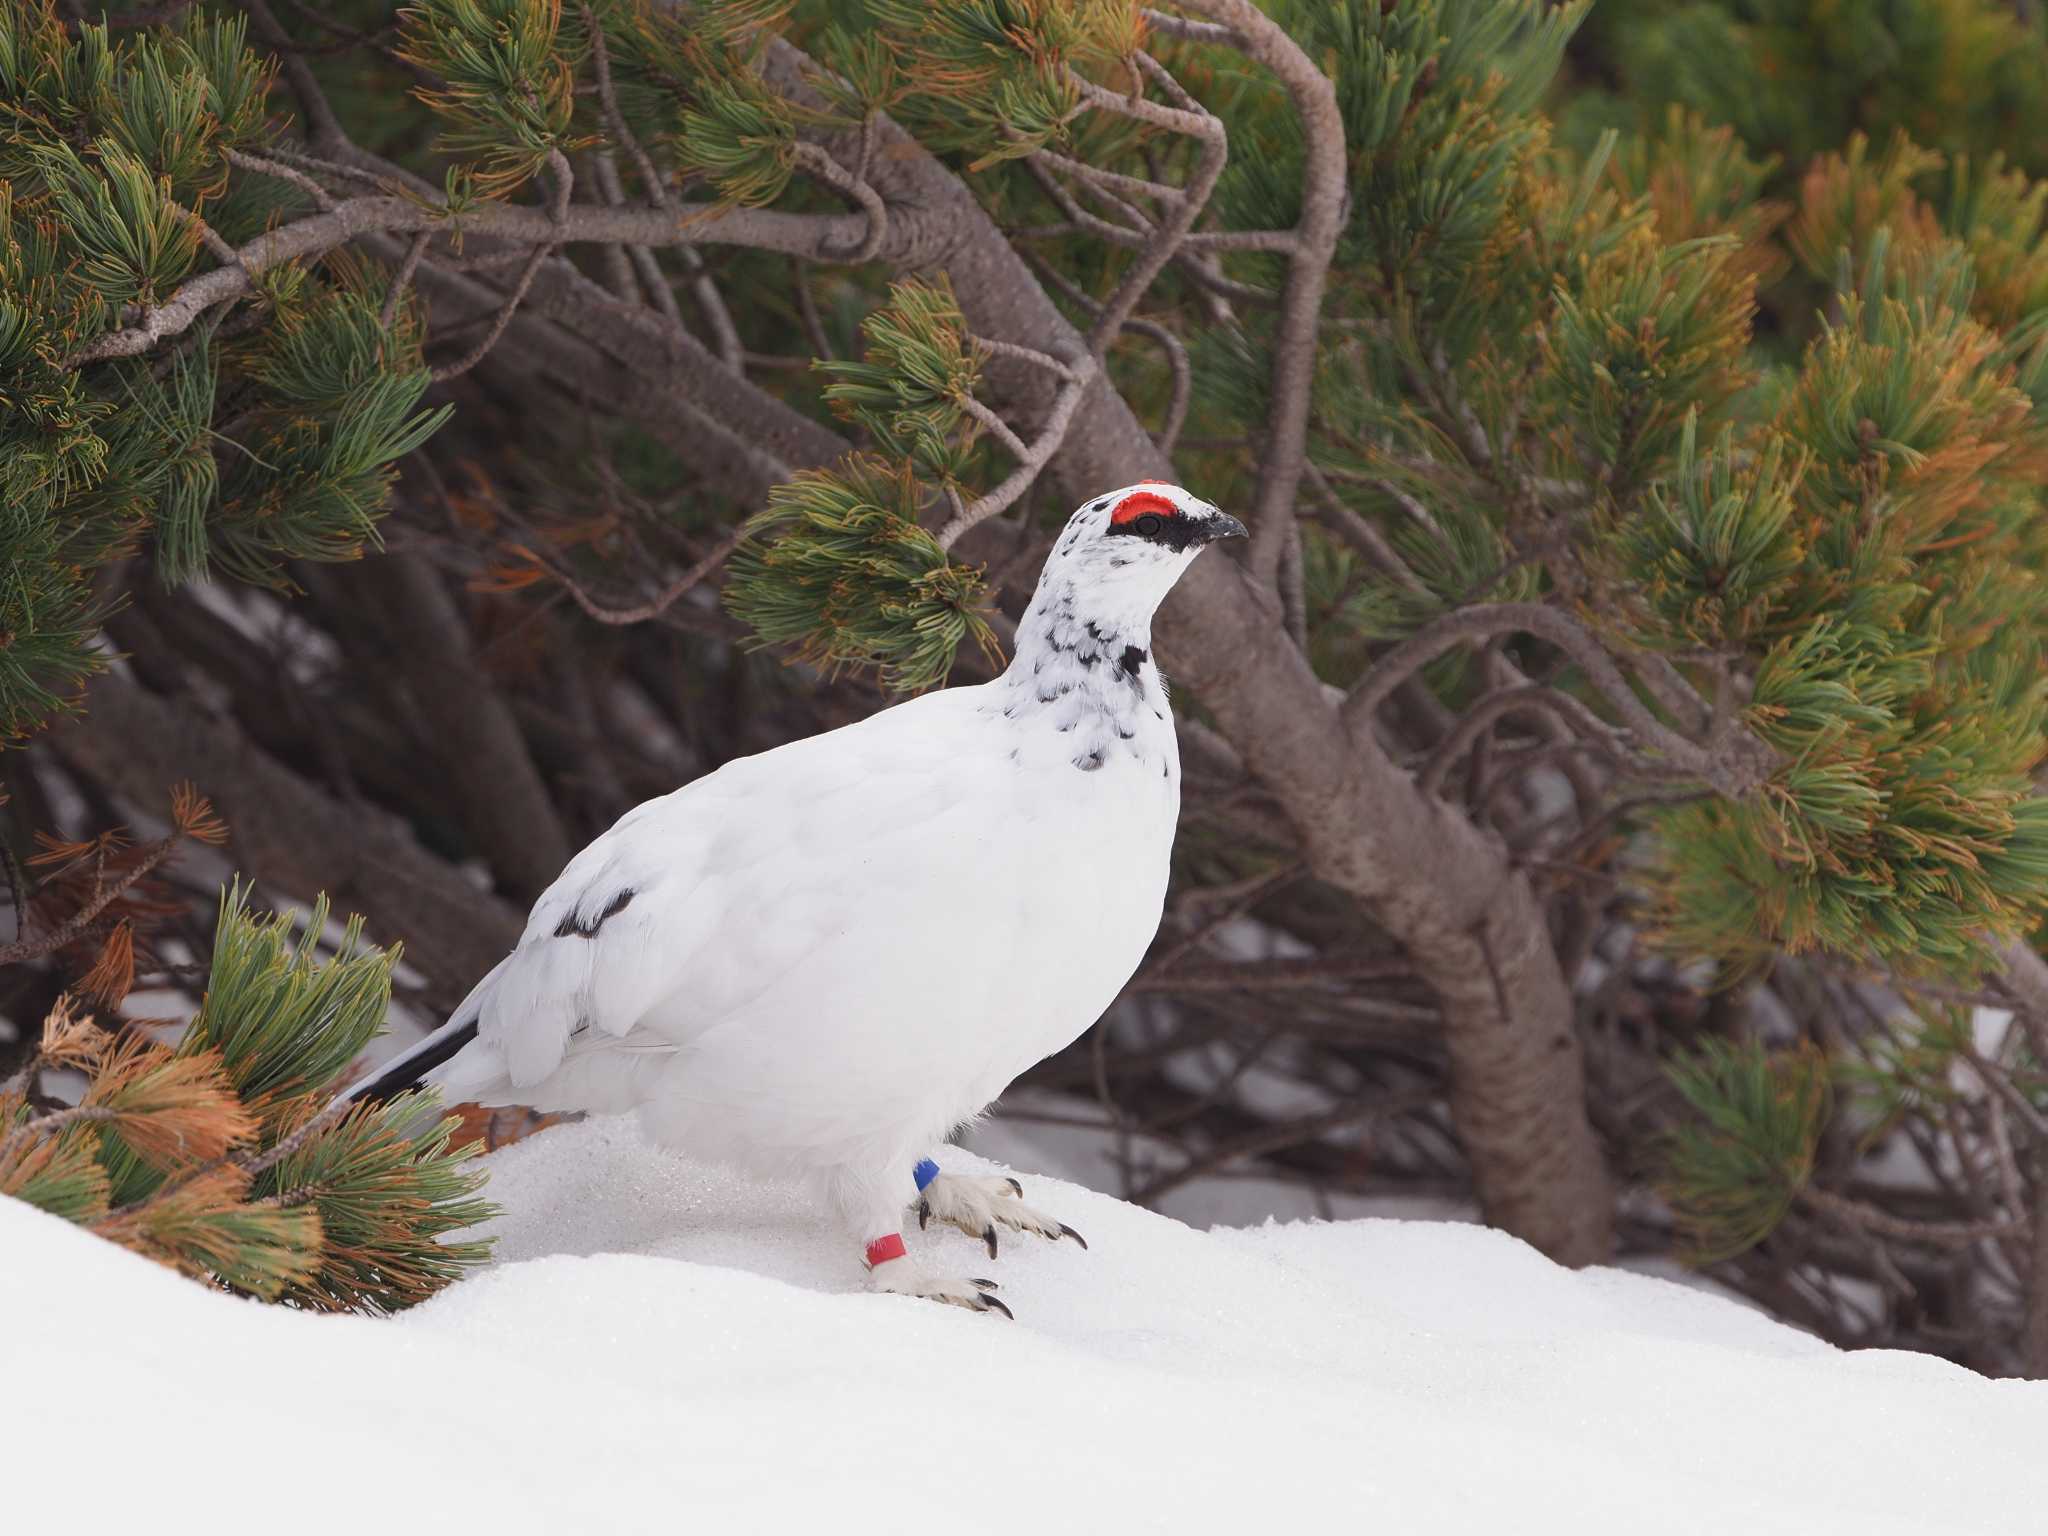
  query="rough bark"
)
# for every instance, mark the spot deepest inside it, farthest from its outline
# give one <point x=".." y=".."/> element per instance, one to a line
<point x="2034" y="1346"/>
<point x="2026" y="982"/>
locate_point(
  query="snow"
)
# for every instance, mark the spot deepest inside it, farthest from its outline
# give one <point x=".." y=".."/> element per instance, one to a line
<point x="662" y="1346"/>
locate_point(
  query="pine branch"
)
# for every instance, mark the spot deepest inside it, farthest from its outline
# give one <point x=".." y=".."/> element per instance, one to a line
<point x="192" y="818"/>
<point x="816" y="236"/>
<point x="54" y="1122"/>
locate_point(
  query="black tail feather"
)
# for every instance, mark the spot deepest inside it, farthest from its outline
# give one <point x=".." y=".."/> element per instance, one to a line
<point x="408" y="1069"/>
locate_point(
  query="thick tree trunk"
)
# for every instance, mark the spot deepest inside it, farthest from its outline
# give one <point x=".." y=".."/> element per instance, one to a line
<point x="2026" y="982"/>
<point x="2034" y="1346"/>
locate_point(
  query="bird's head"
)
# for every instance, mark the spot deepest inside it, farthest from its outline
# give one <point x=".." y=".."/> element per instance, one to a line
<point x="1122" y="552"/>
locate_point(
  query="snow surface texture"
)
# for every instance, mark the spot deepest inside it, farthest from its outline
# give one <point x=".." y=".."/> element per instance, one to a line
<point x="667" y="1348"/>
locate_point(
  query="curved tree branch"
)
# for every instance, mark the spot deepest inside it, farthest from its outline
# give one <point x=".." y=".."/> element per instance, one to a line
<point x="1324" y="179"/>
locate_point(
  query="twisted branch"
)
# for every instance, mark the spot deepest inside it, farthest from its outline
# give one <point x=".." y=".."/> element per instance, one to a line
<point x="1733" y="762"/>
<point x="1075" y="378"/>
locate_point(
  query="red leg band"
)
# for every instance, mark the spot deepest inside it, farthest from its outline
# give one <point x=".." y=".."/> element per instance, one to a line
<point x="883" y="1249"/>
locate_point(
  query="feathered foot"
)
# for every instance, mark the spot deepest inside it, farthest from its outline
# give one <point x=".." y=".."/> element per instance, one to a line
<point x="979" y="1204"/>
<point x="891" y="1270"/>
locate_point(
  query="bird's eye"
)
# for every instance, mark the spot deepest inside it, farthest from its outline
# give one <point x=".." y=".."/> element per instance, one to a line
<point x="1149" y="524"/>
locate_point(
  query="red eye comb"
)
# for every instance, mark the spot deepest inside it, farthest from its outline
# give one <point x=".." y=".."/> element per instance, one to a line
<point x="1138" y="503"/>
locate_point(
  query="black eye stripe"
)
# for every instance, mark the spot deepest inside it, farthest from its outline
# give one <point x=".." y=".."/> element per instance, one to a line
<point x="1175" y="530"/>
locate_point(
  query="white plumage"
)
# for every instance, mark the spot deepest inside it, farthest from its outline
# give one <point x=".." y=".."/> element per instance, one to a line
<point x="824" y="958"/>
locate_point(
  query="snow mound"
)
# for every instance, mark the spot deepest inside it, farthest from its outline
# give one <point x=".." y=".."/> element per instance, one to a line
<point x="665" y="1347"/>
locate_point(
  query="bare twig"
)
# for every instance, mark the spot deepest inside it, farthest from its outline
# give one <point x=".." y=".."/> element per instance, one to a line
<point x="1360" y="534"/>
<point x="1071" y="371"/>
<point x="703" y="292"/>
<point x="807" y="309"/>
<point x="1280" y="240"/>
<point x="1325" y="176"/>
<point x="17" y="886"/>
<point x="324" y="128"/>
<point x="564" y="181"/>
<point x="1528" y="697"/>
<point x="1112" y="181"/>
<point x="1994" y="1077"/>
<point x="1192" y="31"/>
<point x="821" y="165"/>
<point x="654" y="607"/>
<point x="104" y="895"/>
<point x="1271" y="1138"/>
<point x="2025" y="980"/>
<point x="996" y="427"/>
<point x="402" y="279"/>
<point x="1735" y="764"/>
<point x="1168" y="434"/>
<point x="1183" y="207"/>
<point x="1859" y="1215"/>
<point x="641" y="265"/>
<point x="54" y="1122"/>
<point x="263" y="166"/>
<point x="209" y="237"/>
<point x="1076" y="376"/>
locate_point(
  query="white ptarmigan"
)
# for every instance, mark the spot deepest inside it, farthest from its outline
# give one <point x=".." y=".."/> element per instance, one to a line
<point x="823" y="959"/>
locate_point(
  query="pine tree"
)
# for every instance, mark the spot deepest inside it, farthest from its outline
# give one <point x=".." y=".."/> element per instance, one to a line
<point x="1626" y="714"/>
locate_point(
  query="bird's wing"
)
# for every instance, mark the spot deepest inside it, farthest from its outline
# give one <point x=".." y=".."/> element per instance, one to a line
<point x="717" y="884"/>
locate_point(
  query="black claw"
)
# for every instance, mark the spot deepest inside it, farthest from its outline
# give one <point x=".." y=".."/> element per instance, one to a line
<point x="1067" y="1231"/>
<point x="989" y="1236"/>
<point x="924" y="1214"/>
<point x="986" y="1285"/>
<point x="1016" y="1189"/>
<point x="990" y="1304"/>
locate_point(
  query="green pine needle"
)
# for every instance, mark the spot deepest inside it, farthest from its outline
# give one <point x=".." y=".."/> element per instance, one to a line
<point x="1734" y="1168"/>
<point x="837" y="568"/>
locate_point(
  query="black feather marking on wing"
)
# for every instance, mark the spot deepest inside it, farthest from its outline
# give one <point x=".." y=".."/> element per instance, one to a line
<point x="1132" y="659"/>
<point x="407" y="1074"/>
<point x="613" y="908"/>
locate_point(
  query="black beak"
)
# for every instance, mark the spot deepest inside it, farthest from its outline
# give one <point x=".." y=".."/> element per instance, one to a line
<point x="1222" y="526"/>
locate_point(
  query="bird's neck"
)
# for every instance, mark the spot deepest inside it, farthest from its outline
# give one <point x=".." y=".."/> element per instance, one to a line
<point x="1088" y="674"/>
<point x="1061" y="624"/>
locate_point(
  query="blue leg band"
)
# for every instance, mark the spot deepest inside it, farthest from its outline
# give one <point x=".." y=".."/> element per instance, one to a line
<point x="924" y="1173"/>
